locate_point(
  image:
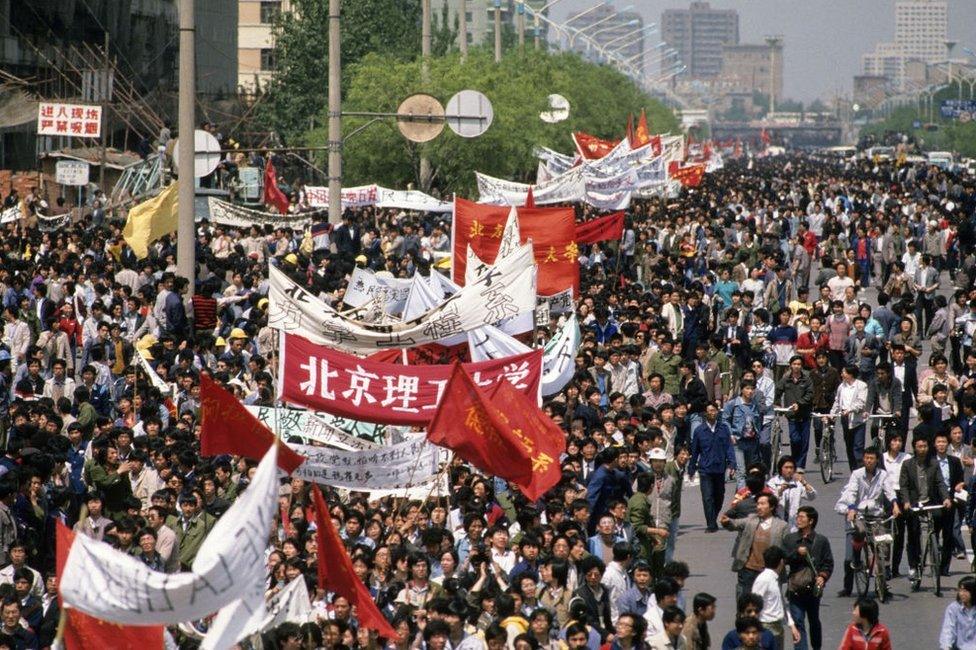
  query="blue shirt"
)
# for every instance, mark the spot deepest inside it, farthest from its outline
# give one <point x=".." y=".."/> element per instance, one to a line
<point x="958" y="628"/>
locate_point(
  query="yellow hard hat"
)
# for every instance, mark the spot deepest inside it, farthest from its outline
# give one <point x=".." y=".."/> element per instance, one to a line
<point x="291" y="258"/>
<point x="146" y="342"/>
<point x="237" y="333"/>
<point x="263" y="303"/>
<point x="220" y="342"/>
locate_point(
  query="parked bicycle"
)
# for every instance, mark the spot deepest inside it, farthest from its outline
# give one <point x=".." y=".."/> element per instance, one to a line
<point x="885" y="424"/>
<point x="776" y="437"/>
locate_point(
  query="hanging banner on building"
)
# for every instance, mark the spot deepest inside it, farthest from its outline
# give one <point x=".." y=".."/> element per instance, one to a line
<point x="71" y="120"/>
<point x="325" y="379"/>
<point x="507" y="290"/>
<point x="405" y="465"/>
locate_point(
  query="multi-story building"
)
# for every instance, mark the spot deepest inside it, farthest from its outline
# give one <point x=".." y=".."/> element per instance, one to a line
<point x="921" y="27"/>
<point x="255" y="41"/>
<point x="699" y="35"/>
<point x="480" y="17"/>
<point x="754" y="68"/>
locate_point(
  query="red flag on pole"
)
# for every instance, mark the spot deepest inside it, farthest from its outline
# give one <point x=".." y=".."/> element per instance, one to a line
<point x="336" y="574"/>
<point x="608" y="228"/>
<point x="529" y="199"/>
<point x="631" y="136"/>
<point x="228" y="428"/>
<point x="499" y="433"/>
<point x="643" y="134"/>
<point x="591" y="147"/>
<point x="272" y="195"/>
<point x="690" y="176"/>
<point x="82" y="632"/>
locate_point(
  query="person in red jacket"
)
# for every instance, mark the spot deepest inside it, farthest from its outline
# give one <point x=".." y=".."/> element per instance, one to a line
<point x="808" y="343"/>
<point x="865" y="632"/>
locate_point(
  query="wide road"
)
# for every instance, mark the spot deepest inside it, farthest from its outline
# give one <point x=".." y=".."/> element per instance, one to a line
<point x="913" y="618"/>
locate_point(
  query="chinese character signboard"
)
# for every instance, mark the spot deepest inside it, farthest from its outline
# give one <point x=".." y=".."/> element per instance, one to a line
<point x="71" y="172"/>
<point x="72" y="120"/>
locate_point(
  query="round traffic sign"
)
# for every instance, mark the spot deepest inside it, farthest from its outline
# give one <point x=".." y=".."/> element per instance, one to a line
<point x="207" y="153"/>
<point x="469" y="113"/>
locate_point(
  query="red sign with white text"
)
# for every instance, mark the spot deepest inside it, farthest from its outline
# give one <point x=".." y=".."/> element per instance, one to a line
<point x="325" y="379"/>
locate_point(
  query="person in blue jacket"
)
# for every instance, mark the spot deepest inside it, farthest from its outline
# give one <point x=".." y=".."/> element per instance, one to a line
<point x="712" y="455"/>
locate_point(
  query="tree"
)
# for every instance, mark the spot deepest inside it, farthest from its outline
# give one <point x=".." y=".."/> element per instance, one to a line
<point x="600" y="99"/>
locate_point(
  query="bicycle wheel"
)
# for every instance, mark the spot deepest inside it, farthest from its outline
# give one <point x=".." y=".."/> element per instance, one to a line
<point x="880" y="579"/>
<point x="862" y="572"/>
<point x="827" y="456"/>
<point x="934" y="565"/>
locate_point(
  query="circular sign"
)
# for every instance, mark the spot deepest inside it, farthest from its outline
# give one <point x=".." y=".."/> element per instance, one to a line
<point x="420" y="118"/>
<point x="469" y="113"/>
<point x="558" y="109"/>
<point x="207" y="153"/>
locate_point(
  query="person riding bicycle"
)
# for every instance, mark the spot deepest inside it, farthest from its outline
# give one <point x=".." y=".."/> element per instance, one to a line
<point x="884" y="398"/>
<point x="869" y="492"/>
<point x="920" y="485"/>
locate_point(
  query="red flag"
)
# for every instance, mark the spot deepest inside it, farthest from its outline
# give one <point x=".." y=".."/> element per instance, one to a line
<point x="529" y="199"/>
<point x="631" y="136"/>
<point x="336" y="574"/>
<point x="656" y="146"/>
<point x="643" y="134"/>
<point x="591" y="147"/>
<point x="273" y="195"/>
<point x="228" y="428"/>
<point x="764" y="136"/>
<point x="552" y="231"/>
<point x="499" y="433"/>
<point x="82" y="632"/>
<point x="707" y="151"/>
<point x="608" y="228"/>
<point x="690" y="176"/>
<point x="738" y="149"/>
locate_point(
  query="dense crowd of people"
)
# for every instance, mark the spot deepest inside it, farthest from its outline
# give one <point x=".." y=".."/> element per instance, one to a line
<point x="784" y="287"/>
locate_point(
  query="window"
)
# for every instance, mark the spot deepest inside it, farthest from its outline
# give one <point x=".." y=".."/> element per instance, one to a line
<point x="268" y="59"/>
<point x="270" y="10"/>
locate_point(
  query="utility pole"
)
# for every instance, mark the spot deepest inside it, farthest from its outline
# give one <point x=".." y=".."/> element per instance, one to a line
<point x="185" y="239"/>
<point x="463" y="19"/>
<point x="498" y="31"/>
<point x="425" y="80"/>
<point x="521" y="26"/>
<point x="104" y="100"/>
<point x="773" y="42"/>
<point x="335" y="114"/>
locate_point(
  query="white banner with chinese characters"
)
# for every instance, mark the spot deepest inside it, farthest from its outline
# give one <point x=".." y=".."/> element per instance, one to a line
<point x="381" y="197"/>
<point x="228" y="573"/>
<point x="394" y="467"/>
<point x="507" y="290"/>
<point x="386" y="291"/>
<point x="301" y="427"/>
<point x="238" y="216"/>
<point x="71" y="120"/>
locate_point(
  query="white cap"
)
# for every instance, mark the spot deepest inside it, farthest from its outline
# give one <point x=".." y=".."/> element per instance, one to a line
<point x="658" y="454"/>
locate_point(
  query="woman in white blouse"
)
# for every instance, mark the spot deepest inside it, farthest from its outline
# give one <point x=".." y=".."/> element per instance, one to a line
<point x="790" y="487"/>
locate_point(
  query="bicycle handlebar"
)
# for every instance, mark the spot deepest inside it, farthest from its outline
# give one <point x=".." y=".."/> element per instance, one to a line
<point x="921" y="508"/>
<point x="827" y="415"/>
<point x="881" y="416"/>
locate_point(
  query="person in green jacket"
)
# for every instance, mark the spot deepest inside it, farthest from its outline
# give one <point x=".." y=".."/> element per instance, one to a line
<point x="192" y="527"/>
<point x="665" y="363"/>
<point x="650" y="511"/>
<point x="111" y="478"/>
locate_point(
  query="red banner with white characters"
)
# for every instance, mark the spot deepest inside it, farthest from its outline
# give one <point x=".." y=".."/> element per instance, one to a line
<point x="552" y="231"/>
<point x="325" y="379"/>
<point x="591" y="147"/>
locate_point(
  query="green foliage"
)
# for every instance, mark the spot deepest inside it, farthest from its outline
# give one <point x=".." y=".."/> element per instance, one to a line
<point x="299" y="90"/>
<point x="939" y="134"/>
<point x="601" y="98"/>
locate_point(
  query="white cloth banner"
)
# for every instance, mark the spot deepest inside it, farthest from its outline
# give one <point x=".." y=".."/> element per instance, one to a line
<point x="388" y="292"/>
<point x="154" y="378"/>
<point x="558" y="360"/>
<point x="10" y="214"/>
<point x="238" y="216"/>
<point x="381" y="197"/>
<point x="229" y="568"/>
<point x="508" y="289"/>
<point x="555" y="163"/>
<point x="302" y="427"/>
<point x="393" y="467"/>
<point x="290" y="605"/>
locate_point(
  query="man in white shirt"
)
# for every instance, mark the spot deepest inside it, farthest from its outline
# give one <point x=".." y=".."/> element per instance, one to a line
<point x="839" y="283"/>
<point x="851" y="405"/>
<point x="502" y="558"/>
<point x="615" y="578"/>
<point x="775" y="616"/>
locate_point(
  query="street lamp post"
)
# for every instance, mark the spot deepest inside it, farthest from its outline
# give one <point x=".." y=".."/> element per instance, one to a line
<point x="335" y="114"/>
<point x="520" y="22"/>
<point x="185" y="239"/>
<point x="535" y="16"/>
<point x="949" y="47"/>
<point x="773" y="42"/>
<point x="609" y="16"/>
<point x="463" y="36"/>
<point x="498" y="31"/>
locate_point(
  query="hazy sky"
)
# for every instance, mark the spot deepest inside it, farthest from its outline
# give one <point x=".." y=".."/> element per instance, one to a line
<point x="824" y="39"/>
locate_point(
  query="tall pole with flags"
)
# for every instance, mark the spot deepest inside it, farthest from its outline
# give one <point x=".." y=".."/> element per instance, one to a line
<point x="185" y="239"/>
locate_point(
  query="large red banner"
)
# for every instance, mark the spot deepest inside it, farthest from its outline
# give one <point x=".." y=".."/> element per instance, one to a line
<point x="607" y="228"/>
<point x="591" y="147"/>
<point x="552" y="231"/>
<point x="325" y="379"/>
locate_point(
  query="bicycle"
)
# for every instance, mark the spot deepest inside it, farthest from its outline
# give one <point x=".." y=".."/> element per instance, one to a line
<point x="875" y="545"/>
<point x="930" y="558"/>
<point x="776" y="435"/>
<point x="828" y="448"/>
<point x="886" y="425"/>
